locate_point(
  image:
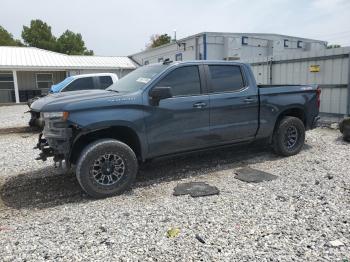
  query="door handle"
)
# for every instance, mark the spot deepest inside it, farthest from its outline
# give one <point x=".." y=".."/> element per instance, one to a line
<point x="249" y="100"/>
<point x="199" y="105"/>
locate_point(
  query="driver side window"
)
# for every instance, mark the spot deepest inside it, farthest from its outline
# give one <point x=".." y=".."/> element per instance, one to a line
<point x="183" y="81"/>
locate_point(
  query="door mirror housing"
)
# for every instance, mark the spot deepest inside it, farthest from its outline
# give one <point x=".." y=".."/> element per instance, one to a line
<point x="160" y="92"/>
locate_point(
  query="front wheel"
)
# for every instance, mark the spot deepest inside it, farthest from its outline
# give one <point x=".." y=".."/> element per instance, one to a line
<point x="106" y="167"/>
<point x="289" y="136"/>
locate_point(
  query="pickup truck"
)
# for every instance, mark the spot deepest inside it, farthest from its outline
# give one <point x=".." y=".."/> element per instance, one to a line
<point x="165" y="109"/>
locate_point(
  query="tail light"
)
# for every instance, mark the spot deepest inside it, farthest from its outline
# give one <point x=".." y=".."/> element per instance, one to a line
<point x="318" y="95"/>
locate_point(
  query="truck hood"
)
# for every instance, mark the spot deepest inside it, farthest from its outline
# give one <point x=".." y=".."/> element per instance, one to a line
<point x="66" y="101"/>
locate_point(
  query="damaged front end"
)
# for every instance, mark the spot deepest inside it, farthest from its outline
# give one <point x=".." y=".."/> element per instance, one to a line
<point x="56" y="138"/>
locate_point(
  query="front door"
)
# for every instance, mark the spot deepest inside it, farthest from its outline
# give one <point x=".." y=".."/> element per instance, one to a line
<point x="179" y="123"/>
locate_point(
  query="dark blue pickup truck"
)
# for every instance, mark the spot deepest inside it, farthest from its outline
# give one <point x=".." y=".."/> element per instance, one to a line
<point x="165" y="109"/>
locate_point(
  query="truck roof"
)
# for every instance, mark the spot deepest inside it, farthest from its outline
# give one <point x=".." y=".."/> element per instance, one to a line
<point x="199" y="62"/>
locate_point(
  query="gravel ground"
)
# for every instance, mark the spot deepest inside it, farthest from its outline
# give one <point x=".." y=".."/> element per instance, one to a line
<point x="14" y="116"/>
<point x="45" y="216"/>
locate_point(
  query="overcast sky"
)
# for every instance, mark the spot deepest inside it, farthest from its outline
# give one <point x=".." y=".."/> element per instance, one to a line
<point x="115" y="27"/>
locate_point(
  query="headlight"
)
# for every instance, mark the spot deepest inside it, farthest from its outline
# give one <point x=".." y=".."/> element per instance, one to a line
<point x="62" y="115"/>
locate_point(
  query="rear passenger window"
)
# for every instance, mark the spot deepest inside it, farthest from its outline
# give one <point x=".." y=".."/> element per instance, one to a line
<point x="80" y="84"/>
<point x="105" y="81"/>
<point x="226" y="78"/>
<point x="183" y="81"/>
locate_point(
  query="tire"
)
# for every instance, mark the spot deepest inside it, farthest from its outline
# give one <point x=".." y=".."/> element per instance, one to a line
<point x="288" y="146"/>
<point x="106" y="167"/>
<point x="341" y="126"/>
<point x="33" y="119"/>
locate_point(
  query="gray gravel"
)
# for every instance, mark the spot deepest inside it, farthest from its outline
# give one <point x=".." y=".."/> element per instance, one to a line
<point x="14" y="116"/>
<point x="45" y="216"/>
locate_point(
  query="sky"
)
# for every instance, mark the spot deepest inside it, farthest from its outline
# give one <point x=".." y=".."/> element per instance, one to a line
<point x="114" y="27"/>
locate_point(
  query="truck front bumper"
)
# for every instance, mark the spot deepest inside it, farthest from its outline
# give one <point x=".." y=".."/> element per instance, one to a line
<point x="54" y="141"/>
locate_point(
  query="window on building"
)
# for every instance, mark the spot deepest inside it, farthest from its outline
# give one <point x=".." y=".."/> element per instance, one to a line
<point x="6" y="81"/>
<point x="85" y="83"/>
<point x="44" y="80"/>
<point x="160" y="59"/>
<point x="226" y="78"/>
<point x="183" y="81"/>
<point x="244" y="40"/>
<point x="146" y="62"/>
<point x="286" y="43"/>
<point x="300" y="44"/>
<point x="178" y="57"/>
<point x="105" y="81"/>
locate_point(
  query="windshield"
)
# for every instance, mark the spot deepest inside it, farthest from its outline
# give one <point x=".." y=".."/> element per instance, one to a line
<point x="60" y="85"/>
<point x="137" y="79"/>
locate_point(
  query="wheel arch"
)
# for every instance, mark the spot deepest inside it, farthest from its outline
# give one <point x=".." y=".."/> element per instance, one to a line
<point x="296" y="111"/>
<point x="123" y="133"/>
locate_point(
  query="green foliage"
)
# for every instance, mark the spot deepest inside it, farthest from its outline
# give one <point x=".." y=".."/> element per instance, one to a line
<point x="333" y="46"/>
<point x="6" y="39"/>
<point x="88" y="52"/>
<point x="39" y="34"/>
<point x="159" y="40"/>
<point x="71" y="43"/>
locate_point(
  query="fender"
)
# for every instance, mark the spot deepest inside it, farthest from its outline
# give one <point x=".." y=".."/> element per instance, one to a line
<point x="106" y="125"/>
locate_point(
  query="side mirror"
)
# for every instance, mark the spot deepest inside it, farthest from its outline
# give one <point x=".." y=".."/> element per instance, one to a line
<point x="160" y="92"/>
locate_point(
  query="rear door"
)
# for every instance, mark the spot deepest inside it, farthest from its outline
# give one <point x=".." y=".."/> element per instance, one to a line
<point x="181" y="122"/>
<point x="234" y="105"/>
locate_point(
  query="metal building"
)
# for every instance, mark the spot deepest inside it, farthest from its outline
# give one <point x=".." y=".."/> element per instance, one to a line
<point x="26" y="72"/>
<point x="329" y="68"/>
<point x="228" y="46"/>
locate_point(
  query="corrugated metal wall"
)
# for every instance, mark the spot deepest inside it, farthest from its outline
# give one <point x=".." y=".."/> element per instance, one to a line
<point x="333" y="75"/>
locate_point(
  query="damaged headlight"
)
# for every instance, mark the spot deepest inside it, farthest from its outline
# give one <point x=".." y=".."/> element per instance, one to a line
<point x="56" y="115"/>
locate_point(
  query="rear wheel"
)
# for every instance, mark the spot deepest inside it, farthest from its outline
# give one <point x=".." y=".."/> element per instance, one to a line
<point x="106" y="167"/>
<point x="289" y="136"/>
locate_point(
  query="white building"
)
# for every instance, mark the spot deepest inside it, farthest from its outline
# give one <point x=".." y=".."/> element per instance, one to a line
<point x="228" y="46"/>
<point x="26" y="72"/>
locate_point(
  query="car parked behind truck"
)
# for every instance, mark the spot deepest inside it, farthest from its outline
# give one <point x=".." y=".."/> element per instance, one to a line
<point x="166" y="109"/>
<point x="75" y="83"/>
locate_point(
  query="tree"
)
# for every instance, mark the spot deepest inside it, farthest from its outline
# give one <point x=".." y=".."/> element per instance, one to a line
<point x="71" y="43"/>
<point x="158" y="40"/>
<point x="39" y="34"/>
<point x="88" y="52"/>
<point x="333" y="46"/>
<point x="6" y="38"/>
